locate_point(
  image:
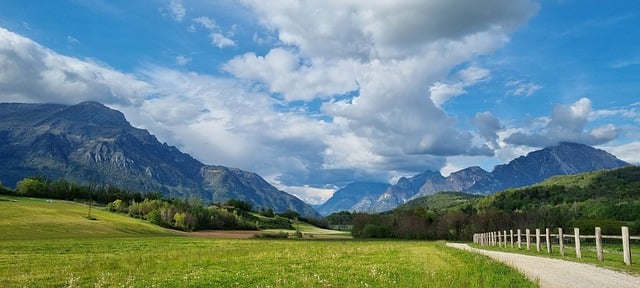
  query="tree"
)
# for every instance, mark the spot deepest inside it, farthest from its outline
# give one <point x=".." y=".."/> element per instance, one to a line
<point x="290" y="214"/>
<point x="154" y="217"/>
<point x="179" y="219"/>
<point x="240" y="204"/>
<point x="31" y="186"/>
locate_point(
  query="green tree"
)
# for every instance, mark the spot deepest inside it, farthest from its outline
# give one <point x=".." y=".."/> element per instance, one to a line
<point x="179" y="220"/>
<point x="154" y="217"/>
<point x="31" y="186"/>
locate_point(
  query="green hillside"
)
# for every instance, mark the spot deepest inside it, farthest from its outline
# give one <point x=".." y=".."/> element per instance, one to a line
<point x="31" y="218"/>
<point x="439" y="201"/>
<point x="607" y="199"/>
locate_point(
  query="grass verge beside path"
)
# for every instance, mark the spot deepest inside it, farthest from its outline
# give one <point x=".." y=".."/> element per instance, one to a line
<point x="613" y="258"/>
<point x="197" y="262"/>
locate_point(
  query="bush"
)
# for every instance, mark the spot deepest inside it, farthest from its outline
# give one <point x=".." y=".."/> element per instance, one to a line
<point x="280" y="235"/>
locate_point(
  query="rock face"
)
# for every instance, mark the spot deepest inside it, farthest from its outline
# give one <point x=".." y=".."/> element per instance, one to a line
<point x="90" y="142"/>
<point x="350" y="197"/>
<point x="562" y="159"/>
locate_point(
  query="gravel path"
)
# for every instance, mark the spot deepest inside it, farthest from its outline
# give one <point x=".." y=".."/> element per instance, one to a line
<point x="558" y="273"/>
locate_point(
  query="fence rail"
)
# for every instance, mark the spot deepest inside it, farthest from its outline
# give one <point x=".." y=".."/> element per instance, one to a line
<point x="503" y="239"/>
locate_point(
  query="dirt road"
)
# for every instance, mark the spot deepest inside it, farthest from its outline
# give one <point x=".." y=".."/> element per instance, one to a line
<point x="559" y="273"/>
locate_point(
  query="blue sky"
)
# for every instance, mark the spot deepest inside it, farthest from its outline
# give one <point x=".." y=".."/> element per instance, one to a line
<point x="313" y="95"/>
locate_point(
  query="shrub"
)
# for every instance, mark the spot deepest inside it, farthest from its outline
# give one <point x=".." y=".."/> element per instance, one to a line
<point x="279" y="235"/>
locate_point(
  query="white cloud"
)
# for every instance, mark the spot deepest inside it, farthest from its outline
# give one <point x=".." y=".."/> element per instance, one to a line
<point x="383" y="29"/>
<point x="626" y="152"/>
<point x="177" y="10"/>
<point x="488" y="127"/>
<point x="182" y="60"/>
<point x="32" y="73"/>
<point x="442" y="92"/>
<point x="217" y="38"/>
<point x="206" y="23"/>
<point x="283" y="72"/>
<point x="370" y="63"/>
<point x="220" y="41"/>
<point x="72" y="40"/>
<point x="519" y="88"/>
<point x="311" y="195"/>
<point x="567" y="124"/>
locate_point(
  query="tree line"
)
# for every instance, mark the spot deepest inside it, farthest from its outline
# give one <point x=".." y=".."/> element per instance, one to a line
<point x="176" y="213"/>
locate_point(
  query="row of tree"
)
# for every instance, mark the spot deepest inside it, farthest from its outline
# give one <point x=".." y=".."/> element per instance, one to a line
<point x="62" y="189"/>
<point x="192" y="214"/>
<point x="176" y="213"/>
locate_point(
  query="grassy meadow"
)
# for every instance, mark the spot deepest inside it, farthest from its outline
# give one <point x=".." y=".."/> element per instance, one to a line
<point x="52" y="244"/>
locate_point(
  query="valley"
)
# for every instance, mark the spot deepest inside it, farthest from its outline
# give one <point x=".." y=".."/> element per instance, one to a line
<point x="117" y="250"/>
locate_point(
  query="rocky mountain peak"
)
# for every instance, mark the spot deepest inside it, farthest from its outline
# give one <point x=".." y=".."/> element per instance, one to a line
<point x="562" y="159"/>
<point x="92" y="142"/>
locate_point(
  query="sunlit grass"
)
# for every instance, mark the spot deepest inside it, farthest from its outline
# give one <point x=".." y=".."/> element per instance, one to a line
<point x="53" y="244"/>
<point x="27" y="218"/>
<point x="197" y="262"/>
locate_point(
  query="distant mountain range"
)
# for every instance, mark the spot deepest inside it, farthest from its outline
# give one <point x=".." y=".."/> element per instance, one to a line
<point x="91" y="143"/>
<point x="562" y="159"/>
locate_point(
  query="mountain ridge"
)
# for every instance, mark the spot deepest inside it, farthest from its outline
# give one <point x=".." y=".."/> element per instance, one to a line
<point x="563" y="159"/>
<point x="89" y="142"/>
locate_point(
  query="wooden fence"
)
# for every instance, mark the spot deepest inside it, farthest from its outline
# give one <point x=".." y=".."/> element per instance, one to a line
<point x="504" y="239"/>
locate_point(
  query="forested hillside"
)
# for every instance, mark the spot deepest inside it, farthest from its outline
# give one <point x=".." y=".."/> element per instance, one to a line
<point x="606" y="198"/>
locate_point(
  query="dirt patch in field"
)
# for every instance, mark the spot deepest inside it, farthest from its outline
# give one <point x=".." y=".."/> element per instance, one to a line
<point x="244" y="234"/>
<point x="226" y="234"/>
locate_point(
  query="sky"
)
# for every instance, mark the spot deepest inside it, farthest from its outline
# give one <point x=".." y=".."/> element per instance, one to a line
<point x="313" y="95"/>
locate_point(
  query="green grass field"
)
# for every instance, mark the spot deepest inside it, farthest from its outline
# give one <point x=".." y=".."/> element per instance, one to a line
<point x="52" y="244"/>
<point x="29" y="218"/>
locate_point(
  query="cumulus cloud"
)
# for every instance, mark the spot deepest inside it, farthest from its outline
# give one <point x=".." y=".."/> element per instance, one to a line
<point x="283" y="72"/>
<point x="488" y="127"/>
<point x="370" y="65"/>
<point x="442" y="92"/>
<point x="33" y="73"/>
<point x="383" y="29"/>
<point x="626" y="152"/>
<point x="567" y="124"/>
<point x="215" y="32"/>
<point x="177" y="10"/>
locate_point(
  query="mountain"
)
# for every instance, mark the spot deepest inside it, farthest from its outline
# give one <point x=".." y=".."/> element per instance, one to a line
<point x="91" y="143"/>
<point x="562" y="159"/>
<point x="348" y="197"/>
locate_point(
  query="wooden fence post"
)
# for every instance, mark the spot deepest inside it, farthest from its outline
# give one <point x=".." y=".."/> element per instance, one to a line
<point x="548" y="240"/>
<point x="561" y="241"/>
<point x="499" y="239"/>
<point x="504" y="235"/>
<point x="599" y="243"/>
<point x="538" y="239"/>
<point x="576" y="235"/>
<point x="519" y="240"/>
<point x="528" y="239"/>
<point x="511" y="237"/>
<point x="626" y="249"/>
